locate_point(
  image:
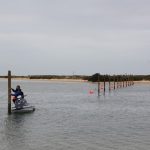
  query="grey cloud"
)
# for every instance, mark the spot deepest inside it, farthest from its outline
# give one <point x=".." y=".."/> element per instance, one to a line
<point x="76" y="35"/>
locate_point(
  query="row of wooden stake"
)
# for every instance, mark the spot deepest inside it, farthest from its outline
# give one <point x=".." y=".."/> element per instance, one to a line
<point x="123" y="81"/>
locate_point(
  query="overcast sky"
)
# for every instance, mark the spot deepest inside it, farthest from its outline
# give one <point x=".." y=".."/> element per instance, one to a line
<point x="74" y="37"/>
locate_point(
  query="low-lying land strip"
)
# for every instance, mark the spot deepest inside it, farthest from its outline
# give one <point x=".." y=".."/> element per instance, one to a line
<point x="92" y="78"/>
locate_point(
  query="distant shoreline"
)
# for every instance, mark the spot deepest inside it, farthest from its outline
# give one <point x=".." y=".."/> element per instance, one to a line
<point x="68" y="80"/>
<point x="53" y="80"/>
<point x="142" y="81"/>
<point x="82" y="78"/>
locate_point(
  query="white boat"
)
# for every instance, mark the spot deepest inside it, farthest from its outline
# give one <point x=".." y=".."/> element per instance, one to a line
<point x="21" y="106"/>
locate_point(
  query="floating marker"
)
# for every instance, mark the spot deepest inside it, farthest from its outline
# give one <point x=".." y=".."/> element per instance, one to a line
<point x="91" y="92"/>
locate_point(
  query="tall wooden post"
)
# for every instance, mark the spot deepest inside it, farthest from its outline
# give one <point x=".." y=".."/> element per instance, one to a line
<point x="123" y="80"/>
<point x="132" y="80"/>
<point x="104" y="84"/>
<point x="120" y="81"/>
<point x="98" y="85"/>
<point x="109" y="84"/>
<point x="117" y="82"/>
<point x="126" y="80"/>
<point x="9" y="92"/>
<point x="114" y="82"/>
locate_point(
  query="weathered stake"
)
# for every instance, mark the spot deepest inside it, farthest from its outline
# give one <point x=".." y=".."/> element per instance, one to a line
<point x="104" y="84"/>
<point x="109" y="84"/>
<point x="114" y="82"/>
<point x="123" y="80"/>
<point x="117" y="82"/>
<point x="98" y="86"/>
<point x="9" y="92"/>
<point x="126" y="80"/>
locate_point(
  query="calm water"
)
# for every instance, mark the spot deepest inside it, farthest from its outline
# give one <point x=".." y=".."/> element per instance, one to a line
<point x="67" y="117"/>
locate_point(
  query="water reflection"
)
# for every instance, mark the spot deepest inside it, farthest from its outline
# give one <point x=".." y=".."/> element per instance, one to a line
<point x="16" y="131"/>
<point x="67" y="117"/>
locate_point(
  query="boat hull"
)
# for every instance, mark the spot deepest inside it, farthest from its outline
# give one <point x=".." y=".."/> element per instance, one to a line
<point x="25" y="109"/>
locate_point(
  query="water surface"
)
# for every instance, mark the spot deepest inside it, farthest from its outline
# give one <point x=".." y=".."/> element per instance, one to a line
<point x="67" y="117"/>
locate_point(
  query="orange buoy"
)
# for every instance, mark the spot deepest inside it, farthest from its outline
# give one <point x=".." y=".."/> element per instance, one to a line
<point x="91" y="92"/>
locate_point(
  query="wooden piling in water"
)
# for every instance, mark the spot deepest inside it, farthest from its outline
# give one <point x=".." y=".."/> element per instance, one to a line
<point x="123" y="80"/>
<point x="129" y="81"/>
<point x="117" y="82"/>
<point x="109" y="83"/>
<point x="104" y="84"/>
<point x="9" y="92"/>
<point x="132" y="80"/>
<point x="114" y="83"/>
<point x="98" y="85"/>
<point x="126" y="81"/>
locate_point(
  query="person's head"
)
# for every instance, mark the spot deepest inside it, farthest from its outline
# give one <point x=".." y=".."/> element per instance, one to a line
<point x="18" y="87"/>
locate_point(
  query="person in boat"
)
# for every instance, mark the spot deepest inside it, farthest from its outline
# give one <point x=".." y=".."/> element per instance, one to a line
<point x="17" y="93"/>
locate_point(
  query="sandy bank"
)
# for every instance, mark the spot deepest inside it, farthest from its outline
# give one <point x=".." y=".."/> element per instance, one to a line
<point x="69" y="80"/>
<point x="50" y="80"/>
<point x="143" y="82"/>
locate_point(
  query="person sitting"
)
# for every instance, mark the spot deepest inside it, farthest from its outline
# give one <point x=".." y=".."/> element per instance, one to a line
<point x="17" y="93"/>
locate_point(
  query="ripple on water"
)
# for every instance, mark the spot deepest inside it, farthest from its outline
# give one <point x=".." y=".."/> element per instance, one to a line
<point x="67" y="117"/>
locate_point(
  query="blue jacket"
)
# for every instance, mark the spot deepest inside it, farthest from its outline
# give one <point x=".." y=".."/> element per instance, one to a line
<point x="17" y="93"/>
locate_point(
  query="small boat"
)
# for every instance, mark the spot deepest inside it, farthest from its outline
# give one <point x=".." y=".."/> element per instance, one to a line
<point x="25" y="109"/>
<point x="21" y="106"/>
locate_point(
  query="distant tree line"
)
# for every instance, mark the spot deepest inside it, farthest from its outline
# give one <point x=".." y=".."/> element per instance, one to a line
<point x="93" y="78"/>
<point x="97" y="76"/>
<point x="82" y="77"/>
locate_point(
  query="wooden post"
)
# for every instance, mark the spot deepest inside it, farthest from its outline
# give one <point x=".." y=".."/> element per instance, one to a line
<point x="126" y="80"/>
<point x="123" y="80"/>
<point x="9" y="92"/>
<point x="117" y="82"/>
<point x="120" y="81"/>
<point x="98" y="85"/>
<point x="132" y="80"/>
<point x="114" y="82"/>
<point x="104" y="84"/>
<point x="109" y="84"/>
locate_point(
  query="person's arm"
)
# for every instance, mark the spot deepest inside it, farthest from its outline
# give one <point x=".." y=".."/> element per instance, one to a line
<point x="13" y="90"/>
<point x="14" y="94"/>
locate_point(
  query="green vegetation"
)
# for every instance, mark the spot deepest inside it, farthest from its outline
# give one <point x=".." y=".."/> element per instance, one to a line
<point x="97" y="76"/>
<point x="82" y="77"/>
<point x="93" y="78"/>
